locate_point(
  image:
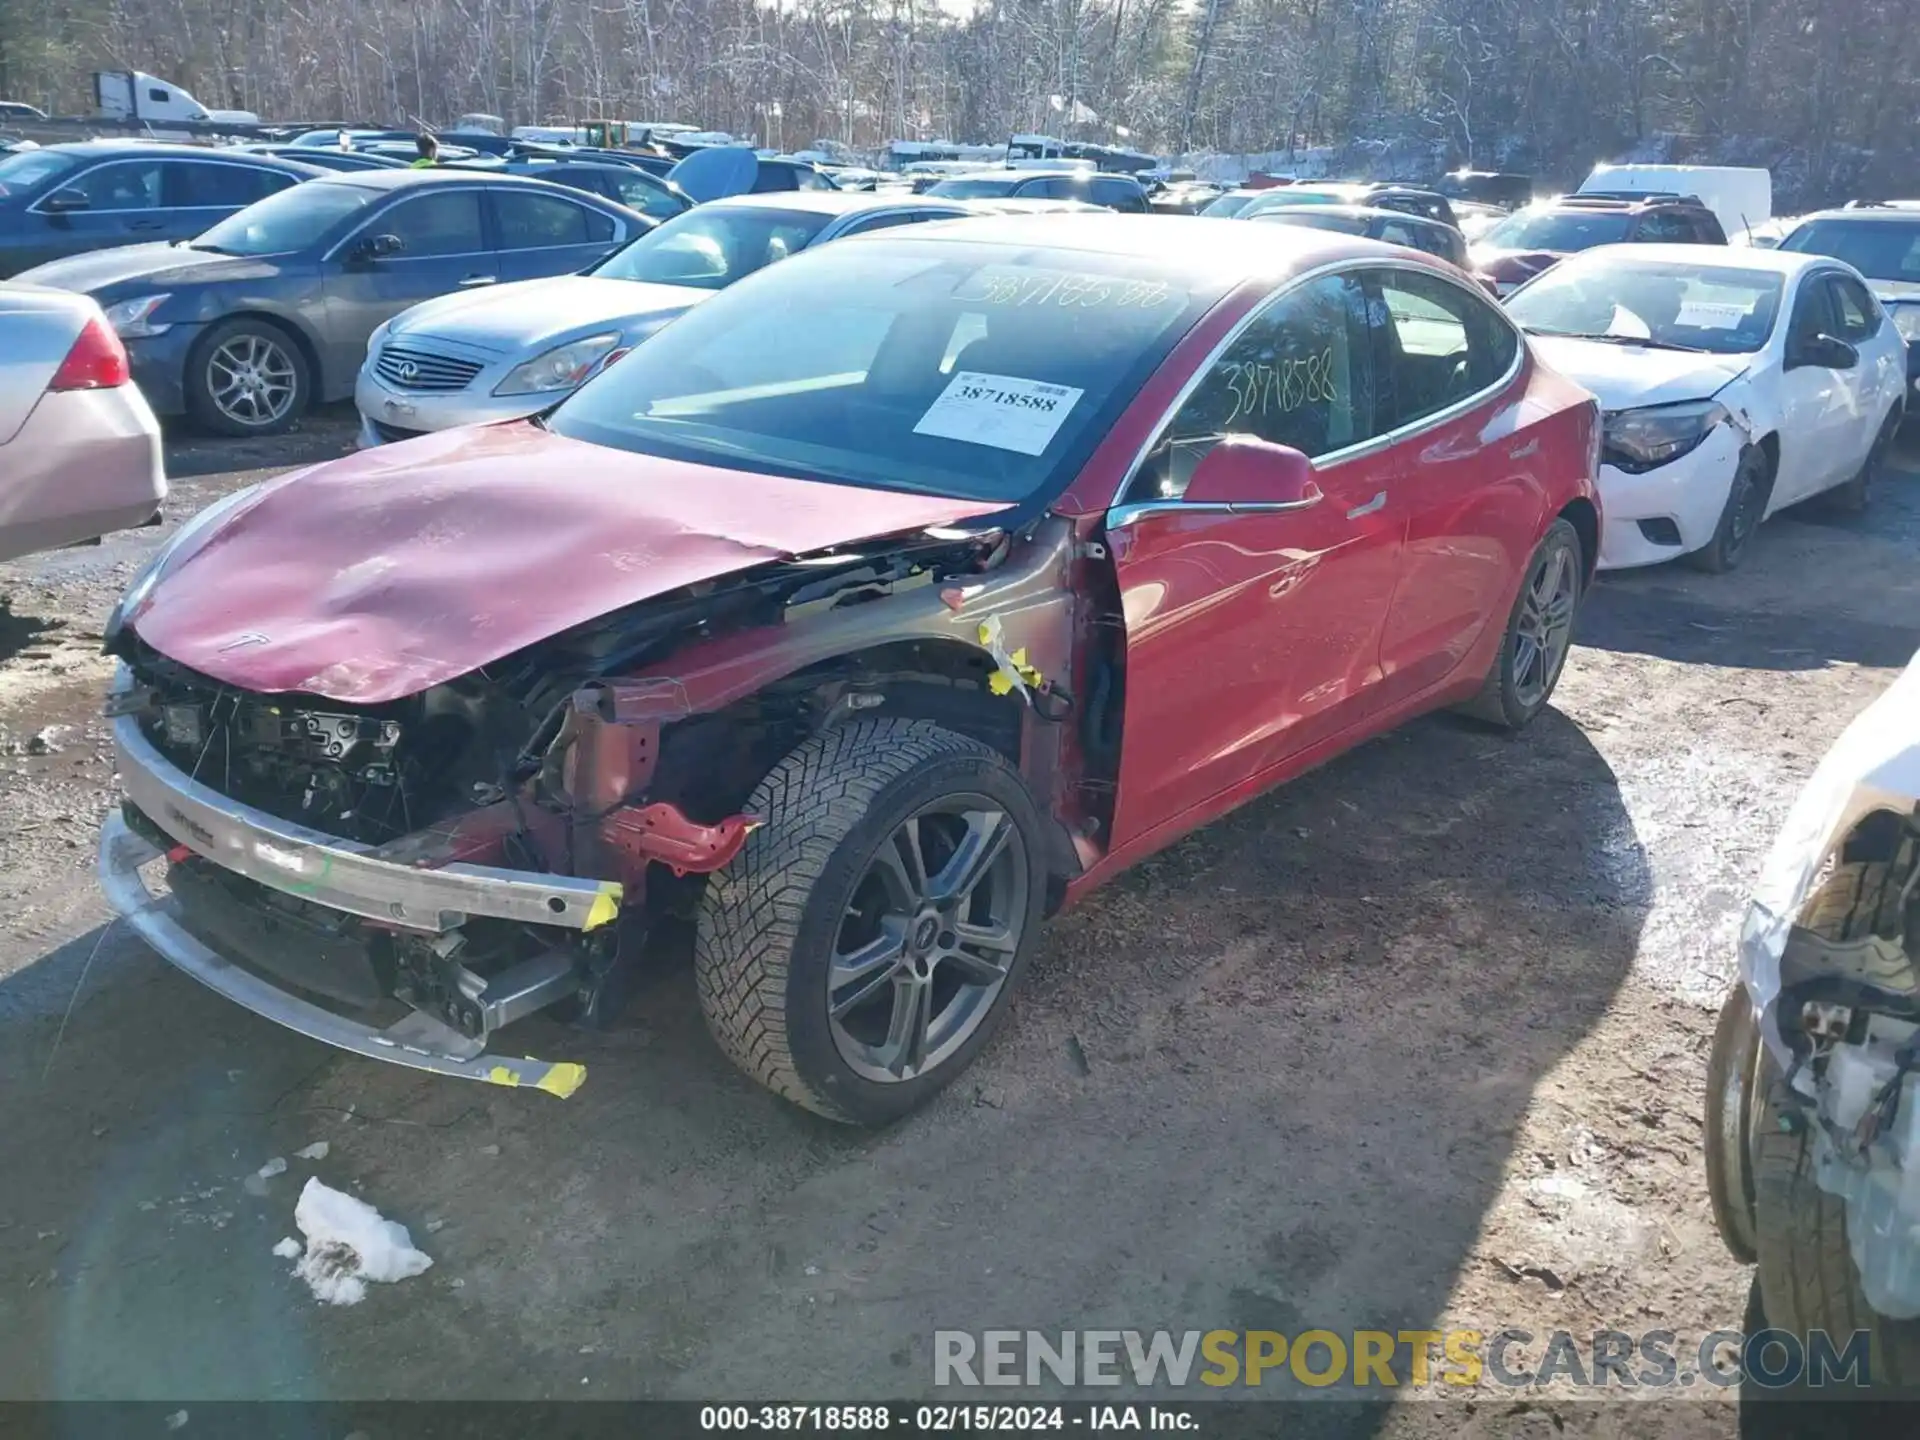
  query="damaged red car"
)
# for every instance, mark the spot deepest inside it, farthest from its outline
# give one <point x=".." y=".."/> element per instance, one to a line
<point x="864" y="616"/>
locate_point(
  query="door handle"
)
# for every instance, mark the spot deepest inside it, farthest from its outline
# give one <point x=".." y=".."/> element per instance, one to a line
<point x="472" y="280"/>
<point x="1367" y="509"/>
<point x="1523" y="452"/>
<point x="146" y="225"/>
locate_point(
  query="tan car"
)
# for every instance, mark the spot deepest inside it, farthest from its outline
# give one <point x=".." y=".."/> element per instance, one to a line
<point x="79" y="446"/>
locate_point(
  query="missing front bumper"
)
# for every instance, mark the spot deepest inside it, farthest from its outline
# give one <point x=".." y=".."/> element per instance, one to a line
<point x="418" y="1041"/>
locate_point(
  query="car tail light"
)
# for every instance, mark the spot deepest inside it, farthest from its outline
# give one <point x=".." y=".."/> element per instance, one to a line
<point x="97" y="361"/>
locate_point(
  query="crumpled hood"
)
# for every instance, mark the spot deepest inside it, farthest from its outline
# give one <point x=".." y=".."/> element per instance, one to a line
<point x="159" y="266"/>
<point x="1626" y="376"/>
<point x="380" y="575"/>
<point x="511" y="319"/>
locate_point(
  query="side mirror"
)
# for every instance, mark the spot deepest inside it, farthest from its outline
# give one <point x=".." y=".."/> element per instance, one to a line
<point x="1827" y="352"/>
<point x="378" y="247"/>
<point x="1248" y="473"/>
<point x="65" y="202"/>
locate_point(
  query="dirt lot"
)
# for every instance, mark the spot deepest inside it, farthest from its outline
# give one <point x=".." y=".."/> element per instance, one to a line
<point x="1417" y="1042"/>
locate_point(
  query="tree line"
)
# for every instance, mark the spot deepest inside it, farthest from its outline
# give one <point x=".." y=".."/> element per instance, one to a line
<point x="1826" y="92"/>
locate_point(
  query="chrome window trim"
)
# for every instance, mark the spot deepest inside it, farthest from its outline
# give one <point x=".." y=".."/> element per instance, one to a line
<point x="103" y="163"/>
<point x="1363" y="448"/>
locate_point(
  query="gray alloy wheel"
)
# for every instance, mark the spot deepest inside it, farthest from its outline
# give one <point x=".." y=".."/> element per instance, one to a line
<point x="865" y="943"/>
<point x="1539" y="633"/>
<point x="929" y="934"/>
<point x="247" y="377"/>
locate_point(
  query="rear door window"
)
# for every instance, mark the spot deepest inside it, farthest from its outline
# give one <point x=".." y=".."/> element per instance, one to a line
<point x="220" y="186"/>
<point x="528" y="221"/>
<point x="1443" y="345"/>
<point x="443" y="223"/>
<point x="1123" y="195"/>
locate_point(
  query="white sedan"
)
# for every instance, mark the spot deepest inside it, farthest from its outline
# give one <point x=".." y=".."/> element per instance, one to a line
<point x="1735" y="383"/>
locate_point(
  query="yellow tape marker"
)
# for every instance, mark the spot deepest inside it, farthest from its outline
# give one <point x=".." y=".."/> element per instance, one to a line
<point x="563" y="1079"/>
<point x="606" y="907"/>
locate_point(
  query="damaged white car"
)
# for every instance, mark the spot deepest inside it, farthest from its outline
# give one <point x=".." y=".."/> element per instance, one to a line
<point x="1735" y="383"/>
<point x="1813" y="1095"/>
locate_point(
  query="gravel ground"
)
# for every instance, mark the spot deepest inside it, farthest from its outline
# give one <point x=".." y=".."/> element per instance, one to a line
<point x="1418" y="1042"/>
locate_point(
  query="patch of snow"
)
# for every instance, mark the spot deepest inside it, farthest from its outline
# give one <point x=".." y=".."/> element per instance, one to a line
<point x="288" y="1248"/>
<point x="348" y="1243"/>
<point x="316" y="1151"/>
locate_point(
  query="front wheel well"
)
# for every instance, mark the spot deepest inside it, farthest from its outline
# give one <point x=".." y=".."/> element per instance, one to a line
<point x="308" y="350"/>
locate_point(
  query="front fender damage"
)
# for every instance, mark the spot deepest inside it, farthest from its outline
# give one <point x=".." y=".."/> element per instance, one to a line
<point x="620" y="753"/>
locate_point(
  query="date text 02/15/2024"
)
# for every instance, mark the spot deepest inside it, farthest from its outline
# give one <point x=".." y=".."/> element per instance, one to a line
<point x="945" y="1419"/>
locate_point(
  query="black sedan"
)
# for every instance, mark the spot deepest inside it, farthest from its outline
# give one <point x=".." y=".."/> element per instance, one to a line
<point x="247" y="325"/>
<point x="68" y="199"/>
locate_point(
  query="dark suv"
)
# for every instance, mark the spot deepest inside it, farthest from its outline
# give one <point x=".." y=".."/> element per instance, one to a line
<point x="1532" y="240"/>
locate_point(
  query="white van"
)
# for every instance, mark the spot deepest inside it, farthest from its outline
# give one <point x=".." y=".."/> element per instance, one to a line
<point x="1740" y="198"/>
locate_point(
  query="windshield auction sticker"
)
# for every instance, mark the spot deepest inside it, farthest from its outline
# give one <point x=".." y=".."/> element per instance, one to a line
<point x="1003" y="411"/>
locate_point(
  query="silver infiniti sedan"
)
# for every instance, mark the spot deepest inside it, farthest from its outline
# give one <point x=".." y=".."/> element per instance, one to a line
<point x="509" y="351"/>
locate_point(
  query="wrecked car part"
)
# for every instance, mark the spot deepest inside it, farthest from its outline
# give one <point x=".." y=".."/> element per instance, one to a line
<point x="416" y="1040"/>
<point x="360" y="853"/>
<point x="1828" y="958"/>
<point x="344" y="875"/>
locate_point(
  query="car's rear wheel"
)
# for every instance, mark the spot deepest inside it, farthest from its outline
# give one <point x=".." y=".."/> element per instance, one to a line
<point x="1539" y="633"/>
<point x="1852" y="497"/>
<point x="248" y="377"/>
<point x="863" y="946"/>
<point x="1740" y="518"/>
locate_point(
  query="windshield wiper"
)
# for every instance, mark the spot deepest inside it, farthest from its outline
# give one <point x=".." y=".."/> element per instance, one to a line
<point x="1647" y="341"/>
<point x="211" y="249"/>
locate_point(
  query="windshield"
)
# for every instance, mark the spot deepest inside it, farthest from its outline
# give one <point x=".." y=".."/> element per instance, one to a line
<point x="1720" y="308"/>
<point x="290" y="220"/>
<point x="972" y="189"/>
<point x="1227" y="206"/>
<point x="29" y="169"/>
<point x="1562" y="230"/>
<point x="711" y="247"/>
<point x="935" y="366"/>
<point x="1878" y="249"/>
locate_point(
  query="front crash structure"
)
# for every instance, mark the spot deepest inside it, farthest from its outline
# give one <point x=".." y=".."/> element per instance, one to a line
<point x="406" y="879"/>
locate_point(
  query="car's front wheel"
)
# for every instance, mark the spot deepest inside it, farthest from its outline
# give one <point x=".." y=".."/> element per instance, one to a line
<point x="248" y="377"/>
<point x="1746" y="506"/>
<point x="863" y="946"/>
<point x="1539" y="633"/>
